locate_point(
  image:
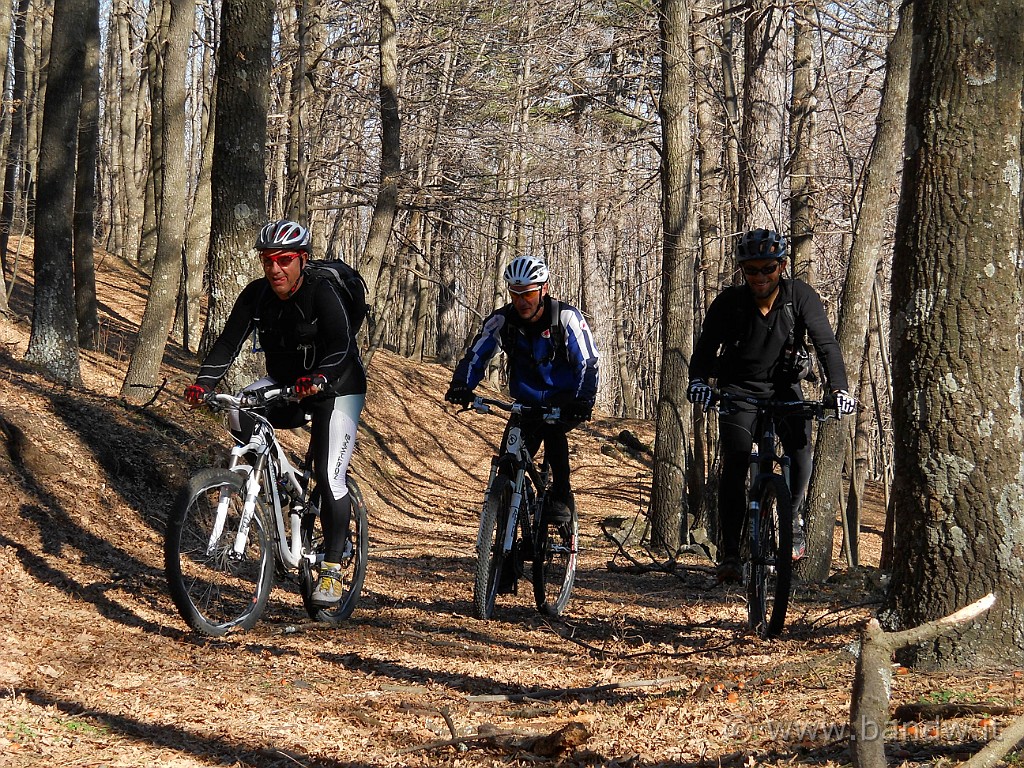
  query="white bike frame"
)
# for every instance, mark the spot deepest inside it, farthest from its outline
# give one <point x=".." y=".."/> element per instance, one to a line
<point x="271" y="464"/>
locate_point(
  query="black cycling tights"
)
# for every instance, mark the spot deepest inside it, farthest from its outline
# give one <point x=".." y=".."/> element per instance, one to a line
<point x="556" y="451"/>
<point x="735" y="434"/>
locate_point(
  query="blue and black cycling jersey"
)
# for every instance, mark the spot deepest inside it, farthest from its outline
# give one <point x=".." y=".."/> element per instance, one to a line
<point x="550" y="363"/>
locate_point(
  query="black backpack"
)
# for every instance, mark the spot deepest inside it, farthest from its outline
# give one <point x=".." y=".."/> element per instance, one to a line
<point x="556" y="330"/>
<point x="350" y="284"/>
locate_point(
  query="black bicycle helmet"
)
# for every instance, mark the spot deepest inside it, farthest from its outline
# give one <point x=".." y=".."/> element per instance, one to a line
<point x="760" y="244"/>
<point x="283" y="235"/>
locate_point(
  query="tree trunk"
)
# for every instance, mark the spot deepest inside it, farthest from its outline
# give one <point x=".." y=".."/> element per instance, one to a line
<point x="671" y="445"/>
<point x="391" y="155"/>
<point x="173" y="36"/>
<point x="956" y="308"/>
<point x="766" y="48"/>
<point x="296" y="205"/>
<point x="53" y="343"/>
<point x="855" y="314"/>
<point x="238" y="175"/>
<point x="85" y="186"/>
<point x="16" y="145"/>
<point x="187" y="327"/>
<point x="802" y="146"/>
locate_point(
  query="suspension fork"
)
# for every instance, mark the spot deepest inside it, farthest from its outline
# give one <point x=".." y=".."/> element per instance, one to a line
<point x="252" y="489"/>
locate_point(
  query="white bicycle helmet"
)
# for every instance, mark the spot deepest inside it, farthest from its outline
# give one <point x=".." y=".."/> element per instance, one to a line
<point x="283" y="235"/>
<point x="526" y="270"/>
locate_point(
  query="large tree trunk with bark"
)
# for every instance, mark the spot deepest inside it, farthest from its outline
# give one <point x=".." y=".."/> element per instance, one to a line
<point x="171" y="44"/>
<point x="766" y="51"/>
<point x="671" y="445"/>
<point x="802" y="146"/>
<point x="238" y="176"/>
<point x="53" y="344"/>
<point x="957" y="308"/>
<point x="391" y="155"/>
<point x="85" y="186"/>
<point x="854" y="317"/>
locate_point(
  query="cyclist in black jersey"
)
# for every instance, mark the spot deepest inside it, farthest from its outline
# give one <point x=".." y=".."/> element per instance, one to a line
<point x="752" y="343"/>
<point x="302" y="326"/>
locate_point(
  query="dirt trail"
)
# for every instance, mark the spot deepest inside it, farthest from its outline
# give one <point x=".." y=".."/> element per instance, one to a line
<point x="654" y="668"/>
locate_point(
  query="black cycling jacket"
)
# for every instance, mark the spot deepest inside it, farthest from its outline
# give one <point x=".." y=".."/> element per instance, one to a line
<point x="742" y="348"/>
<point x="303" y="335"/>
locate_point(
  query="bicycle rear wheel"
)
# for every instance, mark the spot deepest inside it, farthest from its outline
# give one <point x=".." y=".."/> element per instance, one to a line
<point x="554" y="565"/>
<point x="353" y="569"/>
<point x="770" y="565"/>
<point x="490" y="555"/>
<point x="215" y="589"/>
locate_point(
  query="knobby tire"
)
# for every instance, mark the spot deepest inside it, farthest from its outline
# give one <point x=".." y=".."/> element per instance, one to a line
<point x="770" y="563"/>
<point x="214" y="590"/>
<point x="353" y="569"/>
<point x="490" y="556"/>
<point x="554" y="565"/>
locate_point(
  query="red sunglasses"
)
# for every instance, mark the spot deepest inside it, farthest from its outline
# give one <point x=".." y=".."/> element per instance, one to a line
<point x="281" y="258"/>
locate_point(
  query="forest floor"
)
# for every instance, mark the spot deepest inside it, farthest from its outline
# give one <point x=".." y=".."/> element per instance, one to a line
<point x="647" y="667"/>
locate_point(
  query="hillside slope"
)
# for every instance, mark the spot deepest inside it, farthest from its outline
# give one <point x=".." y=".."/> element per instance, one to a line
<point x="97" y="669"/>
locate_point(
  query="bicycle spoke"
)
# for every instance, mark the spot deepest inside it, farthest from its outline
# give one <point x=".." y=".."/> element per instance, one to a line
<point x="554" y="565"/>
<point x="215" y="588"/>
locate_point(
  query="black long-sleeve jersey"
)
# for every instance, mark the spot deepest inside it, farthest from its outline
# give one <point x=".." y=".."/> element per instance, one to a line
<point x="306" y="334"/>
<point x="743" y="349"/>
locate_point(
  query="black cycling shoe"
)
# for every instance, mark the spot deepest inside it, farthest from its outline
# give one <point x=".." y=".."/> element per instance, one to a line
<point x="557" y="512"/>
<point x="729" y="571"/>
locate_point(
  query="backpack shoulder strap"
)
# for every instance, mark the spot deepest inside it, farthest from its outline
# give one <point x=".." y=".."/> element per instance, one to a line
<point x="787" y="310"/>
<point x="558" y="330"/>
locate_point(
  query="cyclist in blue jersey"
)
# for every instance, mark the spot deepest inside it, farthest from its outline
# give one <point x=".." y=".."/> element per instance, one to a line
<point x="552" y="361"/>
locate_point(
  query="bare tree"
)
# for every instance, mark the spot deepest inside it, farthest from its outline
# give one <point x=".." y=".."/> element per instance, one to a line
<point x="238" y="176"/>
<point x="956" y="309"/>
<point x="766" y="51"/>
<point x="671" y="447"/>
<point x="854" y="318"/>
<point x="391" y="154"/>
<point x="171" y="43"/>
<point x="85" y="186"/>
<point x="53" y="344"/>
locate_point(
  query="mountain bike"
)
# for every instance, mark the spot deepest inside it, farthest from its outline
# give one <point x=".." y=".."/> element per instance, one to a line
<point x="233" y="529"/>
<point x="767" y="536"/>
<point x="512" y="529"/>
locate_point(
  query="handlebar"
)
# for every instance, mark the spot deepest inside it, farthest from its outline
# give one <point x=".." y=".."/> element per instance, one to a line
<point x="822" y="410"/>
<point x="253" y="398"/>
<point x="550" y="414"/>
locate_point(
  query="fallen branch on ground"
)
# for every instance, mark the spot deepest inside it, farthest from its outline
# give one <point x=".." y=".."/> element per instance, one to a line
<point x="869" y="706"/>
<point x="566" y="738"/>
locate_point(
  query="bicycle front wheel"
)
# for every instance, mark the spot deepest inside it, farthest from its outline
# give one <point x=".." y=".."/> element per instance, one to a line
<point x="554" y="565"/>
<point x="353" y="569"/>
<point x="490" y="554"/>
<point x="214" y="588"/>
<point x="770" y="564"/>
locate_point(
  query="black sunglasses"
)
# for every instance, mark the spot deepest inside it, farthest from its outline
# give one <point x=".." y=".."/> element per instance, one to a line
<point x="767" y="269"/>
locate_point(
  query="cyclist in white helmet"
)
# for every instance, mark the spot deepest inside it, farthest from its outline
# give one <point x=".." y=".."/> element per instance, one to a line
<point x="552" y="360"/>
<point x="303" y="329"/>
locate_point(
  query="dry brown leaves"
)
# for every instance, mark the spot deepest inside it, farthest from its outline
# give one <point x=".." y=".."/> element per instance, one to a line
<point x="645" y="669"/>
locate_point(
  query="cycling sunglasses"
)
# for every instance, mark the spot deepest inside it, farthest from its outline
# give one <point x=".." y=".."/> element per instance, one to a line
<point x="525" y="290"/>
<point x="281" y="258"/>
<point x="767" y="269"/>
